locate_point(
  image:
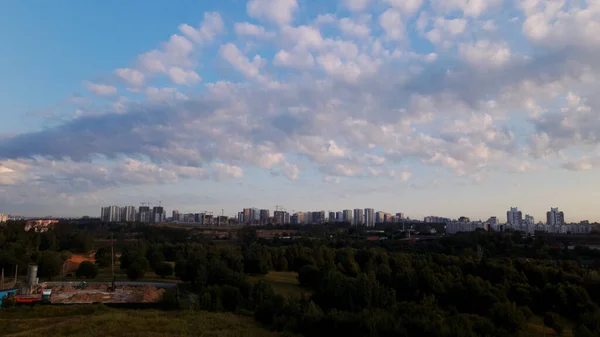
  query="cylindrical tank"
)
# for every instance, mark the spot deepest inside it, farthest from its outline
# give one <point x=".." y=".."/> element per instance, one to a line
<point x="32" y="275"/>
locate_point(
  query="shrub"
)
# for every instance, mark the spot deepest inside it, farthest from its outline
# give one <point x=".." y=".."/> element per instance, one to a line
<point x="135" y="271"/>
<point x="87" y="269"/>
<point x="164" y="269"/>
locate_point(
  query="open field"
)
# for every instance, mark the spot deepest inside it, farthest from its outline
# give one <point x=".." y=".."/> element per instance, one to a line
<point x="98" y="320"/>
<point x="283" y="282"/>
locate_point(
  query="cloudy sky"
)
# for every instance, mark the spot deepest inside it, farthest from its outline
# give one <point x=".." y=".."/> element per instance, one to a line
<point x="427" y="107"/>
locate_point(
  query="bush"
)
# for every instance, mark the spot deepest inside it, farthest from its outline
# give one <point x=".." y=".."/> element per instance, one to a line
<point x="87" y="269"/>
<point x="164" y="269"/>
<point x="135" y="271"/>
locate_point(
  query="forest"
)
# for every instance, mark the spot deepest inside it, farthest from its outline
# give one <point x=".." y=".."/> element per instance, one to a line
<point x="470" y="284"/>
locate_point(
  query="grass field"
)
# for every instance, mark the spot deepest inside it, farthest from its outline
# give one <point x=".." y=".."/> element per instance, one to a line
<point x="283" y="282"/>
<point x="101" y="321"/>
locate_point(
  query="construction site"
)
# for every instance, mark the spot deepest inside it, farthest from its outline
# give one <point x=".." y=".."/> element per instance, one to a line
<point x="32" y="291"/>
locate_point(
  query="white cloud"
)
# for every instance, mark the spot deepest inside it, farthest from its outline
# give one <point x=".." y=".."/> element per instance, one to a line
<point x="489" y="26"/>
<point x="280" y="12"/>
<point x="353" y="28"/>
<point x="101" y="89"/>
<point x="174" y="53"/>
<point x="445" y="31"/>
<point x="469" y="8"/>
<point x="298" y="60"/>
<point x="291" y="171"/>
<point x="485" y="54"/>
<point x="248" y="29"/>
<point x="181" y="76"/>
<point x="391" y="22"/>
<point x="558" y="24"/>
<point x="208" y="30"/>
<point x="356" y="5"/>
<point x="250" y="69"/>
<point x="407" y="7"/>
<point x="132" y="77"/>
<point x="325" y="18"/>
<point x="225" y="171"/>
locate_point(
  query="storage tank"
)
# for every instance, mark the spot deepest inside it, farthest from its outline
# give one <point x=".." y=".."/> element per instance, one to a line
<point x="32" y="275"/>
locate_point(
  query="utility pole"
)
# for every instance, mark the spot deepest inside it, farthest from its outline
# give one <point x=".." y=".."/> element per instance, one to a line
<point x="112" y="256"/>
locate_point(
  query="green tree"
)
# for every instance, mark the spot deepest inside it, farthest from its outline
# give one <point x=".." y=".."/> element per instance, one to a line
<point x="87" y="269"/>
<point x="164" y="269"/>
<point x="553" y="321"/>
<point x="49" y="264"/>
<point x="135" y="271"/>
<point x="103" y="257"/>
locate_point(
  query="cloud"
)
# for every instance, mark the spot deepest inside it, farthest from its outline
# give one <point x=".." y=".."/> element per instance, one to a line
<point x="132" y="77"/>
<point x="181" y="76"/>
<point x="346" y="96"/>
<point x="211" y="26"/>
<point x="407" y="7"/>
<point x="224" y="171"/>
<point x="353" y="28"/>
<point x="485" y="54"/>
<point x="280" y="12"/>
<point x="356" y="5"/>
<point x="248" y="29"/>
<point x="391" y="22"/>
<point x="294" y="59"/>
<point x="101" y="89"/>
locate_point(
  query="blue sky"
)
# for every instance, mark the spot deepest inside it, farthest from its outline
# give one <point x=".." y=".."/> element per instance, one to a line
<point x="427" y="107"/>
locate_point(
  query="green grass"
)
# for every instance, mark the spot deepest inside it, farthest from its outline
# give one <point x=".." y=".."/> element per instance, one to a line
<point x="100" y="321"/>
<point x="283" y="282"/>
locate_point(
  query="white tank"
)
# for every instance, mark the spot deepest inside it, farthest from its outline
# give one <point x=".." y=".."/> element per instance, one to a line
<point x="32" y="275"/>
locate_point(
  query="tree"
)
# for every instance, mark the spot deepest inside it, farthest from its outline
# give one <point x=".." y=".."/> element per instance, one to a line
<point x="164" y="269"/>
<point x="135" y="271"/>
<point x="552" y="320"/>
<point x="87" y="269"/>
<point x="49" y="264"/>
<point x="103" y="257"/>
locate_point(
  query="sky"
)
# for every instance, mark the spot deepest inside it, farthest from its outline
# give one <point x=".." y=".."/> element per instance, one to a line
<point x="426" y="107"/>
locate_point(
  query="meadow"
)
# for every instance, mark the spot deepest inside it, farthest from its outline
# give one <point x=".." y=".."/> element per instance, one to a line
<point x="101" y="321"/>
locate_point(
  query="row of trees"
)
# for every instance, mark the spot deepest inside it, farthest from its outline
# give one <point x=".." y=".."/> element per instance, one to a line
<point x="48" y="249"/>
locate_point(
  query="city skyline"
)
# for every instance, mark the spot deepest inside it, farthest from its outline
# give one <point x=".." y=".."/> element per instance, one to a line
<point x="429" y="107"/>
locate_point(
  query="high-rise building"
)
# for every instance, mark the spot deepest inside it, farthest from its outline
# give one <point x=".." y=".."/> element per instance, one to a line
<point x="308" y="218"/>
<point x="493" y="221"/>
<point x="369" y="217"/>
<point x="175" y="215"/>
<point x="379" y="217"/>
<point x="144" y="214"/>
<point x="301" y="218"/>
<point x="241" y="217"/>
<point x="128" y="214"/>
<point x="514" y="216"/>
<point x="529" y="220"/>
<point x="555" y="217"/>
<point x="247" y="215"/>
<point x="158" y="214"/>
<point x="331" y="217"/>
<point x="347" y="216"/>
<point x="281" y="217"/>
<point x="3" y="218"/>
<point x="400" y="215"/>
<point x="359" y="218"/>
<point x="339" y="216"/>
<point x="264" y="216"/>
<point x="318" y="217"/>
